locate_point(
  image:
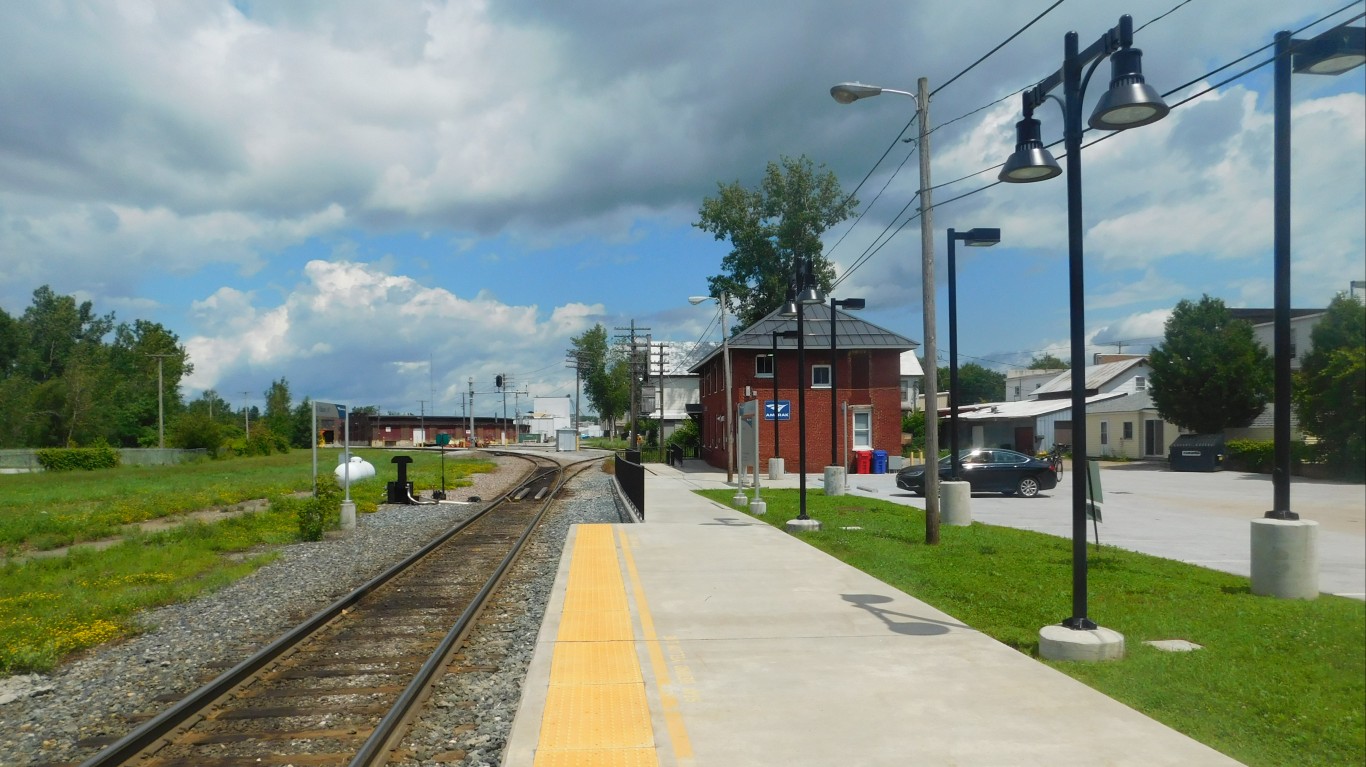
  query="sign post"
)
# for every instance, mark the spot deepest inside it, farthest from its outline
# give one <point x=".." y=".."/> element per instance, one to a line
<point x="348" y="507"/>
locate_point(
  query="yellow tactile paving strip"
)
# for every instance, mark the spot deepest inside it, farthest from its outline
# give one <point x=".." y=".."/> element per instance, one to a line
<point x="595" y="711"/>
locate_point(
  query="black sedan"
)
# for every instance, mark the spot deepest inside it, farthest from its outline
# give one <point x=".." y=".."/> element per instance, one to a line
<point x="988" y="470"/>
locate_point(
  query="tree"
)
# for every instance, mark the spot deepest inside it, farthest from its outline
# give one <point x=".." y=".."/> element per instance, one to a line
<point x="606" y="379"/>
<point x="978" y="384"/>
<point x="279" y="418"/>
<point x="1330" y="390"/>
<point x="770" y="228"/>
<point x="1209" y="373"/>
<point x="1047" y="361"/>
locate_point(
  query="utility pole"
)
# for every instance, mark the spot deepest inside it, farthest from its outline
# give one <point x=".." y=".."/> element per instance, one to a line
<point x="659" y="384"/>
<point x="161" y="409"/>
<point x="576" y="361"/>
<point x="634" y="367"/>
<point x="246" y="413"/>
<point x="922" y="103"/>
<point x="472" y="437"/>
<point x="422" y="420"/>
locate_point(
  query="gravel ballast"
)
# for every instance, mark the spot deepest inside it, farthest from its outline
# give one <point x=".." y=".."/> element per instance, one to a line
<point x="43" y="717"/>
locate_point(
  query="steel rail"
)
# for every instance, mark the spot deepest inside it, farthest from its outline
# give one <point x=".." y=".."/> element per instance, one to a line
<point x="146" y="735"/>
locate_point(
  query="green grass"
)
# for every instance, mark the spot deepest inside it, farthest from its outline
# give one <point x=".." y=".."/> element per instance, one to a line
<point x="53" y="607"/>
<point x="1279" y="681"/>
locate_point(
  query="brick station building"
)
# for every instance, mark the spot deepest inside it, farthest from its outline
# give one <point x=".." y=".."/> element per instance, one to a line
<point x="868" y="378"/>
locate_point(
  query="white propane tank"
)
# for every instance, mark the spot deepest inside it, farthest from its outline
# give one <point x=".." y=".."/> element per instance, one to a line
<point x="360" y="469"/>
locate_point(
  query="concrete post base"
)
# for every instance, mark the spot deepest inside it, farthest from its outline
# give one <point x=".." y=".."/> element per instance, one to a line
<point x="348" y="515"/>
<point x="740" y="500"/>
<point x="834" y="480"/>
<point x="1061" y="643"/>
<point x="955" y="504"/>
<point x="802" y="525"/>
<point x="758" y="508"/>
<point x="775" y="468"/>
<point x="1285" y="558"/>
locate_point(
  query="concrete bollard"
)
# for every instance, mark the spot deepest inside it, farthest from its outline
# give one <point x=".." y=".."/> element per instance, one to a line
<point x="1285" y="558"/>
<point x="955" y="503"/>
<point x="775" y="468"/>
<point x="834" y="480"/>
<point x="348" y="515"/>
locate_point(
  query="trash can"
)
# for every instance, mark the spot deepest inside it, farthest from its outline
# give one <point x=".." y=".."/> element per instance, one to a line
<point x="1197" y="452"/>
<point x="863" y="462"/>
<point x="879" y="461"/>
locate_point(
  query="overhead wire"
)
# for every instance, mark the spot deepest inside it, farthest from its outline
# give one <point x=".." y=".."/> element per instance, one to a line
<point x="872" y="250"/>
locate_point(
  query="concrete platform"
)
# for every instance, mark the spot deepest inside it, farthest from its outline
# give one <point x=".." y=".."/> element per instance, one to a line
<point x="752" y="648"/>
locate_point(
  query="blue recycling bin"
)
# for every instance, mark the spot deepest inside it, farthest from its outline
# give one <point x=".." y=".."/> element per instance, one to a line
<point x="879" y="461"/>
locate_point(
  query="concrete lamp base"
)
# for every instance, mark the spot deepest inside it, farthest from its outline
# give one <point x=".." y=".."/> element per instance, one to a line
<point x="955" y="504"/>
<point x="776" y="469"/>
<point x="758" y="508"/>
<point x="802" y="525"/>
<point x="740" y="500"/>
<point x="1089" y="645"/>
<point x="348" y="515"/>
<point x="1285" y="558"/>
<point x="834" y="480"/>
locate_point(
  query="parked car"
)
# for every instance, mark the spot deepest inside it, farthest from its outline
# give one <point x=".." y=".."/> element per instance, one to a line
<point x="988" y="470"/>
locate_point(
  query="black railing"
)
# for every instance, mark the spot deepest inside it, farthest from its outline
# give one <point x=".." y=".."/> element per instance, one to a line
<point x="630" y="475"/>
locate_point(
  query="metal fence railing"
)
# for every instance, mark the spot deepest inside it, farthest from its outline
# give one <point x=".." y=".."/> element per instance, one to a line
<point x="630" y="474"/>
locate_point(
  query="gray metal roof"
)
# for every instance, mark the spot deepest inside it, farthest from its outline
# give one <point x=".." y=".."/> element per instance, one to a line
<point x="1130" y="403"/>
<point x="1096" y="377"/>
<point x="852" y="333"/>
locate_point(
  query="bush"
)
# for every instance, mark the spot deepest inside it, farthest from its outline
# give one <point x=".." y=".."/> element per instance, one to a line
<point x="73" y="458"/>
<point x="1259" y="455"/>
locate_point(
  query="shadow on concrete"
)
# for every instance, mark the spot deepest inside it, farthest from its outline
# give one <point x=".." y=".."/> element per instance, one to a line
<point x="916" y="626"/>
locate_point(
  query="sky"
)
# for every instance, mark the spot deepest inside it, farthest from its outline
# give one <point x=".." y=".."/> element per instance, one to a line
<point x="380" y="201"/>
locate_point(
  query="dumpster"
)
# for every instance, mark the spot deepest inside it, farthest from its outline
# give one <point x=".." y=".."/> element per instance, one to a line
<point x="879" y="461"/>
<point x="863" y="462"/>
<point x="1197" y="452"/>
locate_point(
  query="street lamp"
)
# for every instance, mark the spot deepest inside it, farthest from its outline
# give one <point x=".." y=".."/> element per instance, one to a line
<point x="725" y="354"/>
<point x="1129" y="103"/>
<point x="807" y="295"/>
<point x="1332" y="53"/>
<point x="852" y="304"/>
<point x="848" y="93"/>
<point x="977" y="238"/>
<point x="776" y="334"/>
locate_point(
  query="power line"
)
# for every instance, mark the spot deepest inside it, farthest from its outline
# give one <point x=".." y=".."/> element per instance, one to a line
<point x="871" y="251"/>
<point x="1003" y="44"/>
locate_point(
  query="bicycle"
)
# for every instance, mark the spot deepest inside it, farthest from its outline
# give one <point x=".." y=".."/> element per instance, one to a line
<point x="1055" y="456"/>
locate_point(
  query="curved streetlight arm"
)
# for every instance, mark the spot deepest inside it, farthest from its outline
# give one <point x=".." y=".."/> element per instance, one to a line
<point x="848" y="93"/>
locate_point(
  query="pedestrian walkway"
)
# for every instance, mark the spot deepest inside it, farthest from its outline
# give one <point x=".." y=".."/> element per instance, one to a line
<point x="705" y="637"/>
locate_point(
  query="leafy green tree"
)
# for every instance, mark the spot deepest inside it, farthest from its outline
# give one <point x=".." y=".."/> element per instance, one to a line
<point x="53" y="328"/>
<point x="770" y="229"/>
<point x="301" y="434"/>
<point x="1330" y="391"/>
<point x="279" y="418"/>
<point x="1047" y="361"/>
<point x="978" y="384"/>
<point x="605" y="375"/>
<point x="195" y="430"/>
<point x="1209" y="373"/>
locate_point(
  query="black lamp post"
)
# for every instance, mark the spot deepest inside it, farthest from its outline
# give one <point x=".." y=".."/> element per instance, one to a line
<point x="977" y="238"/>
<point x="847" y="303"/>
<point x="1129" y="103"/>
<point x="1332" y="53"/>
<point x="776" y="335"/>
<point x="807" y="295"/>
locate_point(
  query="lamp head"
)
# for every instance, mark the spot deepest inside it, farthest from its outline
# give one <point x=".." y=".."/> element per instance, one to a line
<point x="1336" y="51"/>
<point x="980" y="238"/>
<point x="695" y="300"/>
<point x="1130" y="102"/>
<point x="849" y="303"/>
<point x="790" y="307"/>
<point x="811" y="295"/>
<point x="1030" y="161"/>
<point x="848" y="93"/>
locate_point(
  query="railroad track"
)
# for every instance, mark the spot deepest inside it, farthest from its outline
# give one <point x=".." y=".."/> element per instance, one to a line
<point x="341" y="688"/>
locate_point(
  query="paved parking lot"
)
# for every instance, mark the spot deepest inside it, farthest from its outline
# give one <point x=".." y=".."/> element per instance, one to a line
<point x="1197" y="517"/>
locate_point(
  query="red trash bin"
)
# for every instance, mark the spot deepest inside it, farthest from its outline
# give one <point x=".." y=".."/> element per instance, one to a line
<point x="863" y="462"/>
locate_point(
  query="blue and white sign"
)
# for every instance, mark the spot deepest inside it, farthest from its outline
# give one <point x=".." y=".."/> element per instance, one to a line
<point x="783" y="411"/>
